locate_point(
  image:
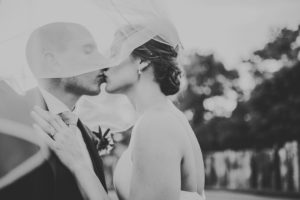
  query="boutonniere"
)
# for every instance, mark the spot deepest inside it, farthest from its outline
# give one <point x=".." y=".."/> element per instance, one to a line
<point x="104" y="142"/>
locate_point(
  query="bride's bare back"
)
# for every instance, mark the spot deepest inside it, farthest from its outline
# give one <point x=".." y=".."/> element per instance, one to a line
<point x="192" y="167"/>
<point x="163" y="158"/>
<point x="192" y="158"/>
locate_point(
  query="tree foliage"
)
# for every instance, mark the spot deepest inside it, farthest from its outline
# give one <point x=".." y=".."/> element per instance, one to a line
<point x="275" y="106"/>
<point x="206" y="77"/>
<point x="281" y="45"/>
<point x="271" y="115"/>
<point x="274" y="103"/>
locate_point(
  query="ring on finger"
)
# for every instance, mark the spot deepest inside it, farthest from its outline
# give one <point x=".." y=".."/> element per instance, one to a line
<point x="52" y="132"/>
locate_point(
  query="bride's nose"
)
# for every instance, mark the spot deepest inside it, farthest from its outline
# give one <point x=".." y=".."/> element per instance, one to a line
<point x="104" y="70"/>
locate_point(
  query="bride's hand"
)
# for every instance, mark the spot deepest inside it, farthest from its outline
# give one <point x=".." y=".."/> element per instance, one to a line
<point x="66" y="146"/>
<point x="60" y="138"/>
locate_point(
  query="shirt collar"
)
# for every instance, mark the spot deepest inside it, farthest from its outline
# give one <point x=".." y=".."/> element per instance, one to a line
<point x="54" y="105"/>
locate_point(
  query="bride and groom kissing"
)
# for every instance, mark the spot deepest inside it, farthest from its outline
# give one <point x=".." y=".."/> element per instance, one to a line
<point x="163" y="160"/>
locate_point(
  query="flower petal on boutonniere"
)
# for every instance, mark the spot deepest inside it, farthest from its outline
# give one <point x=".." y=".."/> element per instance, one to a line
<point x="104" y="142"/>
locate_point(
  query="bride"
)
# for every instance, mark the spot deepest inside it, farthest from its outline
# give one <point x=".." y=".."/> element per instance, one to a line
<point x="163" y="160"/>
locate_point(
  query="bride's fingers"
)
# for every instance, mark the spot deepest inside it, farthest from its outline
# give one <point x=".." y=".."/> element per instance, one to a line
<point x="53" y="120"/>
<point x="64" y="135"/>
<point x="44" y="125"/>
<point x="60" y="121"/>
<point x="44" y="136"/>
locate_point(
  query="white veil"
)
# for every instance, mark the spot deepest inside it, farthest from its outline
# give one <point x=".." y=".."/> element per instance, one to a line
<point x="138" y="21"/>
<point x="118" y="26"/>
<point x="19" y="18"/>
<point x="134" y="22"/>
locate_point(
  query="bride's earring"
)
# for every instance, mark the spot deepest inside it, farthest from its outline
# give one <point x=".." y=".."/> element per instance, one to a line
<point x="142" y="67"/>
<point x="139" y="72"/>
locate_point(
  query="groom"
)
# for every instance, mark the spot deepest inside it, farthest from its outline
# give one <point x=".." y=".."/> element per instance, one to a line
<point x="65" y="60"/>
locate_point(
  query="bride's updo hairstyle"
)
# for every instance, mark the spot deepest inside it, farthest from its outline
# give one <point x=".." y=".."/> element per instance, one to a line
<point x="162" y="58"/>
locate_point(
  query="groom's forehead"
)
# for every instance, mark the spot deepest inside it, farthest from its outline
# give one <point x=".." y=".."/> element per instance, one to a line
<point x="81" y="38"/>
<point x="62" y="34"/>
<point x="79" y="33"/>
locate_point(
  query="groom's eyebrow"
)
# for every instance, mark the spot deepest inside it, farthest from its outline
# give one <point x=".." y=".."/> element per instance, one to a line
<point x="89" y="47"/>
<point x="92" y="46"/>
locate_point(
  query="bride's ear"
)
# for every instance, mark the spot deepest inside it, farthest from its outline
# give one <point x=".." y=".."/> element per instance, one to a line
<point x="143" y="65"/>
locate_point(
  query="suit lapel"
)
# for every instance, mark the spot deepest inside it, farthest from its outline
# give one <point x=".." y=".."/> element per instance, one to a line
<point x="34" y="97"/>
<point x="96" y="159"/>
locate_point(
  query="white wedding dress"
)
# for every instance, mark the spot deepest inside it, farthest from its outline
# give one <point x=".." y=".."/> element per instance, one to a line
<point x="123" y="170"/>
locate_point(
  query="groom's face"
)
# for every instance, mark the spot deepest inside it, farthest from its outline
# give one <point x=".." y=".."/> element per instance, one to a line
<point x="85" y="84"/>
<point x="81" y="51"/>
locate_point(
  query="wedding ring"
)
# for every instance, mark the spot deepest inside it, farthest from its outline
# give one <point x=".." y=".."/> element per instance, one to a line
<point x="52" y="132"/>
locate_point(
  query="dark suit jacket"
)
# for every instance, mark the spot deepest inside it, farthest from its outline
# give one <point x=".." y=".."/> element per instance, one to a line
<point x="64" y="184"/>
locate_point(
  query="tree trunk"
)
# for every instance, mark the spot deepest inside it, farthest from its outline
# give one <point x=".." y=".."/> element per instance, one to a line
<point x="254" y="171"/>
<point x="298" y="167"/>
<point x="277" y="175"/>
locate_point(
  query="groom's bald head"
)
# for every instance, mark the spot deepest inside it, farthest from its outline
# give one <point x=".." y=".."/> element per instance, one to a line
<point x="48" y="43"/>
<point x="53" y="36"/>
<point x="65" y="54"/>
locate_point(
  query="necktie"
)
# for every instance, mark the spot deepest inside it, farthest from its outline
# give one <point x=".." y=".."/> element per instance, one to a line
<point x="71" y="120"/>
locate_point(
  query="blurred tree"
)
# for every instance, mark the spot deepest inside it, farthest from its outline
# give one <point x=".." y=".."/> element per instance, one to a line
<point x="275" y="115"/>
<point x="267" y="110"/>
<point x="221" y="133"/>
<point x="269" y="118"/>
<point x="275" y="101"/>
<point x="275" y="108"/>
<point x="284" y="48"/>
<point x="206" y="78"/>
<point x="284" y="44"/>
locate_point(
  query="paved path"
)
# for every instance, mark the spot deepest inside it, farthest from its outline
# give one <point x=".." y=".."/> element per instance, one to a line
<point x="223" y="195"/>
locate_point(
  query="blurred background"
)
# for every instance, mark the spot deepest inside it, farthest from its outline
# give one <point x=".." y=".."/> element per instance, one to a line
<point x="241" y="94"/>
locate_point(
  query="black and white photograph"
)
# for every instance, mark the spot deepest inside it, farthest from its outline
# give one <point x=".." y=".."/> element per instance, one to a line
<point x="149" y="99"/>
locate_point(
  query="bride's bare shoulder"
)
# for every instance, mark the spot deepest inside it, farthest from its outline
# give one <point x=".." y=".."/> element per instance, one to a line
<point x="159" y="126"/>
<point x="157" y="118"/>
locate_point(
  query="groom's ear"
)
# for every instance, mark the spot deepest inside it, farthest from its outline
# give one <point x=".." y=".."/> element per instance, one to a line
<point x="50" y="59"/>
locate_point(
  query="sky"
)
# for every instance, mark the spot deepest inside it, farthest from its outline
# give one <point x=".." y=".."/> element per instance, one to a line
<point x="231" y="29"/>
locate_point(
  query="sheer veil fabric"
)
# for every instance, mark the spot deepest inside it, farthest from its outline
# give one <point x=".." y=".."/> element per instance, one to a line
<point x="134" y="22"/>
<point x="118" y="26"/>
<point x="18" y="19"/>
<point x="138" y="22"/>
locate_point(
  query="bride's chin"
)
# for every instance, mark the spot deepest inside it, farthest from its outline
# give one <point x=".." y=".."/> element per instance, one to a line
<point x="108" y="89"/>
